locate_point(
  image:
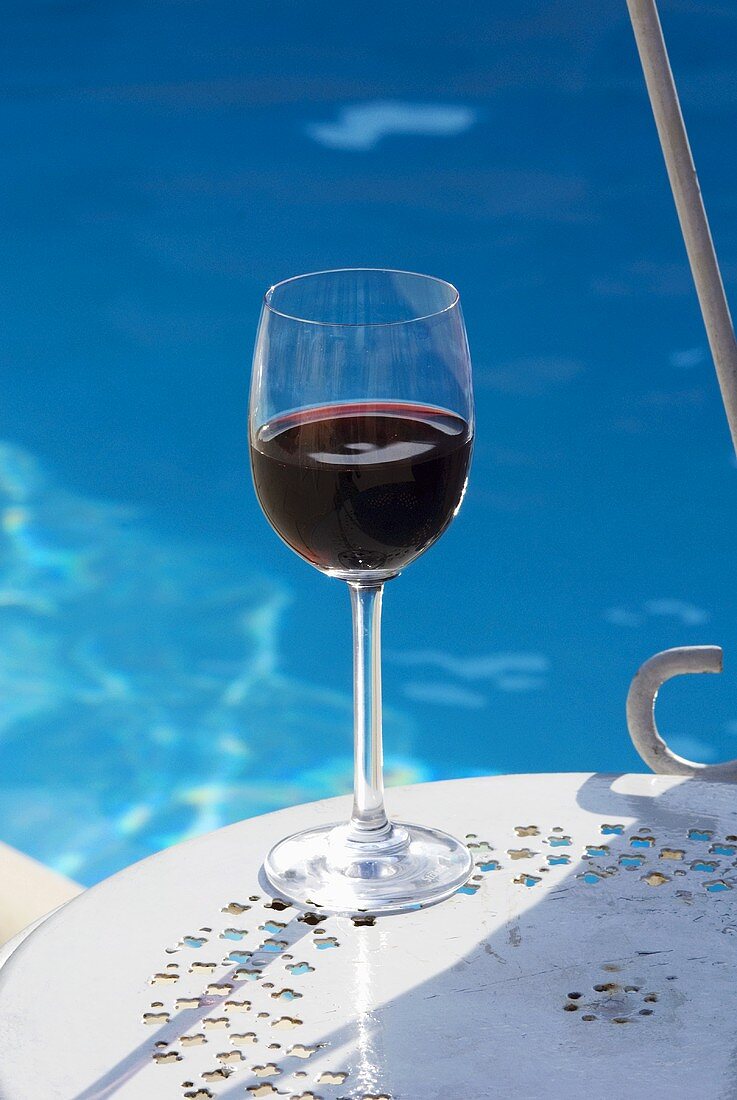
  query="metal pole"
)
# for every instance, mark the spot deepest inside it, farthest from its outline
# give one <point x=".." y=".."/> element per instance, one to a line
<point x="689" y="203"/>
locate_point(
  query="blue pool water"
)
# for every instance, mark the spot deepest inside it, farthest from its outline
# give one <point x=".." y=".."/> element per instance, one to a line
<point x="166" y="665"/>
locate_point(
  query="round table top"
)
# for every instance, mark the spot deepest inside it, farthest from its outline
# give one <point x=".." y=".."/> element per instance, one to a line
<point x="591" y="955"/>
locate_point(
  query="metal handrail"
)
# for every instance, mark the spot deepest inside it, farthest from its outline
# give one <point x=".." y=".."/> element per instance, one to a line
<point x="720" y="331"/>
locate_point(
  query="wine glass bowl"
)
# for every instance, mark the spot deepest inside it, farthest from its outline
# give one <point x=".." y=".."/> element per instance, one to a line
<point x="361" y="431"/>
<point x="362" y="487"/>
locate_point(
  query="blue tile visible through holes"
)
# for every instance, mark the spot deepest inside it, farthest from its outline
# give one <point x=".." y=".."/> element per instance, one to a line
<point x="297" y="969"/>
<point x="631" y="862"/>
<point x="527" y="880"/>
<point x="240" y="957"/>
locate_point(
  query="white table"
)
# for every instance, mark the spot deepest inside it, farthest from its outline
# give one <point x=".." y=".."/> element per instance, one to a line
<point x="580" y="962"/>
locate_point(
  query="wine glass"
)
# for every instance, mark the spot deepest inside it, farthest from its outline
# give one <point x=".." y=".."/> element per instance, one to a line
<point x="360" y="431"/>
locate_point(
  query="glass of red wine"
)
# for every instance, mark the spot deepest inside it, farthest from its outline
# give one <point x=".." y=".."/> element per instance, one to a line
<point x="361" y="429"/>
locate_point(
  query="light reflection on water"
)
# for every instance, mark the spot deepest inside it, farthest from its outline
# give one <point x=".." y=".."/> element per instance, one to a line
<point x="141" y="700"/>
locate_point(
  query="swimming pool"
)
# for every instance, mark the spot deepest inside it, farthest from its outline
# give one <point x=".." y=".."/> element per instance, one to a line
<point x="165" y="664"/>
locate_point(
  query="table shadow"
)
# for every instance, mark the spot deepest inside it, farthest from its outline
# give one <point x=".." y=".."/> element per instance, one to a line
<point x="511" y="1045"/>
<point x="109" y="1083"/>
<point x="499" y="1019"/>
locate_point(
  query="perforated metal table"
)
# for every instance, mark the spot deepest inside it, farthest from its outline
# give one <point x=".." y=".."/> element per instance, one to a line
<point x="591" y="955"/>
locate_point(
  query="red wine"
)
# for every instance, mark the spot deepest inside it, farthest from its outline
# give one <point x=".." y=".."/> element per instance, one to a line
<point x="359" y="487"/>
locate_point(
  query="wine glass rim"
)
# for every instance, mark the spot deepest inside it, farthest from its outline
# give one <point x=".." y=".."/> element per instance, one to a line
<point x="361" y="324"/>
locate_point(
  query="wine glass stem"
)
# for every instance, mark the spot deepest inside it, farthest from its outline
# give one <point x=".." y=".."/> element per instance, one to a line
<point x="368" y="820"/>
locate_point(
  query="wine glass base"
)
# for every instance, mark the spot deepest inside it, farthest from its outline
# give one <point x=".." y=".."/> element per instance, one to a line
<point x="325" y="869"/>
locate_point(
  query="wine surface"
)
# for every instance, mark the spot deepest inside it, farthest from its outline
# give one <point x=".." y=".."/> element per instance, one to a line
<point x="360" y="487"/>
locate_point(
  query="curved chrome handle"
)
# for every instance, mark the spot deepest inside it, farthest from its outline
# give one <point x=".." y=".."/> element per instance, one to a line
<point x="641" y="710"/>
